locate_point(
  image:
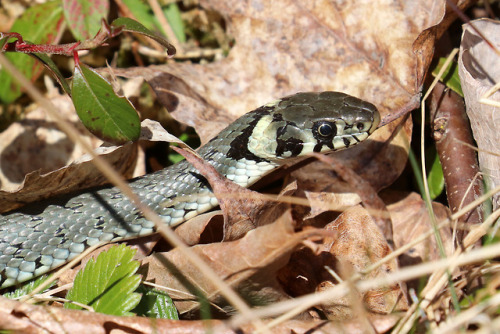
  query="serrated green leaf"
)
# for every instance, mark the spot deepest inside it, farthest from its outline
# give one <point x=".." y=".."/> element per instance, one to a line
<point x="28" y="287"/>
<point x="108" y="283"/>
<point x="134" y="26"/>
<point x="156" y="304"/>
<point x="84" y="16"/>
<point x="105" y="114"/>
<point x="450" y="76"/>
<point x="39" y="25"/>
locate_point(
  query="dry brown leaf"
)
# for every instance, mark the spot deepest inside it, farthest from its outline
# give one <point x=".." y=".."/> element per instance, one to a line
<point x="248" y="264"/>
<point x="75" y="176"/>
<point x="410" y="220"/>
<point x="355" y="244"/>
<point x="479" y="71"/>
<point x="364" y="49"/>
<point x="41" y="151"/>
<point x="25" y="318"/>
<point x="81" y="172"/>
<point x="242" y="208"/>
<point x="193" y="231"/>
<point x="329" y="201"/>
<point x="358" y="245"/>
<point x="35" y="143"/>
<point x="366" y="192"/>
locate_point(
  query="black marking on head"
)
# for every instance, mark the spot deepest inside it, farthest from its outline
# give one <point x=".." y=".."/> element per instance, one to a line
<point x="356" y="138"/>
<point x="317" y="148"/>
<point x="280" y="131"/>
<point x="293" y="145"/>
<point x="347" y="142"/>
<point x="239" y="146"/>
<point x="277" y="117"/>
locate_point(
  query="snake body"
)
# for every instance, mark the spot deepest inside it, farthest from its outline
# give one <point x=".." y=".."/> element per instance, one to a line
<point x="43" y="236"/>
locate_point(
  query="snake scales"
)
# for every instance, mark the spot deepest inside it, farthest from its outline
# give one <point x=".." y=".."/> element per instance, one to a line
<point x="43" y="236"/>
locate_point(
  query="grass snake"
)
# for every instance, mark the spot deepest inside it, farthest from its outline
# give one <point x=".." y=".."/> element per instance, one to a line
<point x="42" y="236"/>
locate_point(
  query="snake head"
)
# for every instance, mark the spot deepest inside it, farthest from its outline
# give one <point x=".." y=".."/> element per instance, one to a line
<point x="312" y="122"/>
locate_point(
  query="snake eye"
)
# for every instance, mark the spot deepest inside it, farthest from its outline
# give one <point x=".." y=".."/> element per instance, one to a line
<point x="360" y="126"/>
<point x="325" y="129"/>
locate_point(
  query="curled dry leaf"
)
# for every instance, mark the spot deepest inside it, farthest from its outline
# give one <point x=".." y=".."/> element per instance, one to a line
<point x="479" y="72"/>
<point x="60" y="178"/>
<point x="202" y="229"/>
<point x="242" y="208"/>
<point x="38" y="151"/>
<point x="366" y="192"/>
<point x="35" y="143"/>
<point x="248" y="264"/>
<point x="356" y="243"/>
<point x="410" y="220"/>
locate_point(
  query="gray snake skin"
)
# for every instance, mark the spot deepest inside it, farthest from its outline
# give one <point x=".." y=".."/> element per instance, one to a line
<point x="43" y="236"/>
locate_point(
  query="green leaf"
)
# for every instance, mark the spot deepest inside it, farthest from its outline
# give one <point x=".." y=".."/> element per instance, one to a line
<point x="156" y="304"/>
<point x="134" y="26"/>
<point x="84" y="16"/>
<point x="173" y="15"/>
<point x="39" y="25"/>
<point x="105" y="114"/>
<point x="145" y="15"/>
<point x="450" y="76"/>
<point x="28" y="287"/>
<point x="108" y="283"/>
<point x="435" y="177"/>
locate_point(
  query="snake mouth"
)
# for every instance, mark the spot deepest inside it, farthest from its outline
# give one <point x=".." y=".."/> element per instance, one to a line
<point x="375" y="122"/>
<point x="339" y="142"/>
